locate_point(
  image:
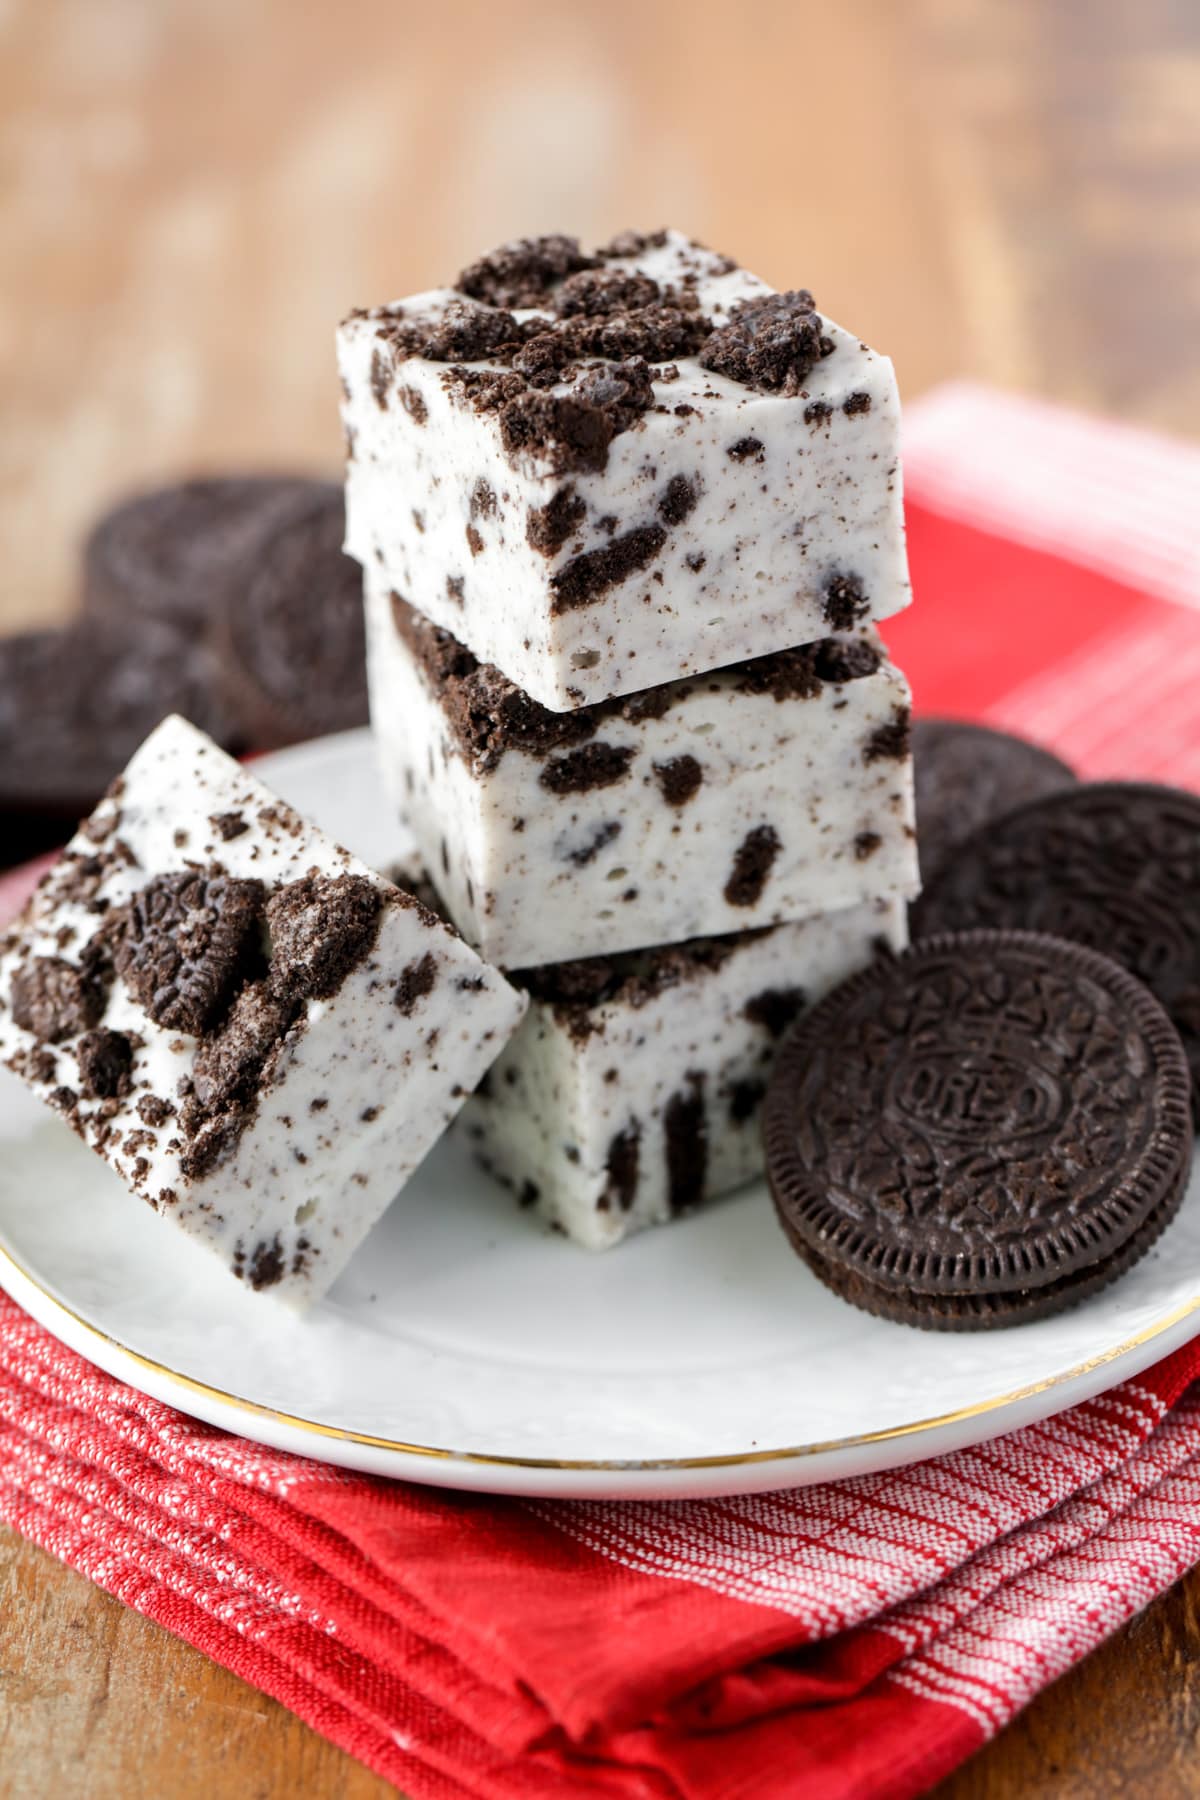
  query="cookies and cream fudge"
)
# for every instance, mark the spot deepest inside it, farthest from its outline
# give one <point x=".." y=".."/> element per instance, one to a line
<point x="259" y="1034"/>
<point x="632" y="1089"/>
<point x="771" y="790"/>
<point x="605" y="471"/>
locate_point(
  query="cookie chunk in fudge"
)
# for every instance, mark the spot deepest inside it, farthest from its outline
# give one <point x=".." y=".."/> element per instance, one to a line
<point x="259" y="1034"/>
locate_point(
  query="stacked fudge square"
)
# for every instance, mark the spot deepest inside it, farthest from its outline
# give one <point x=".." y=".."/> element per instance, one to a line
<point x="627" y="520"/>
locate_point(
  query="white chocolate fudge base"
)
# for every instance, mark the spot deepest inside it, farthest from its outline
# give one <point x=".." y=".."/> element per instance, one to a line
<point x="366" y="1081"/>
<point x="655" y="1107"/>
<point x="745" y="573"/>
<point x="532" y="873"/>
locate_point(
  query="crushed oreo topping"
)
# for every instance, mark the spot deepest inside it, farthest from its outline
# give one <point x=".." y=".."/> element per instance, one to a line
<point x="183" y="944"/>
<point x="594" y="292"/>
<point x="771" y="344"/>
<point x="522" y="273"/>
<point x="55" y="999"/>
<point x="105" y="1061"/>
<point x="321" y="927"/>
<point x="631" y="243"/>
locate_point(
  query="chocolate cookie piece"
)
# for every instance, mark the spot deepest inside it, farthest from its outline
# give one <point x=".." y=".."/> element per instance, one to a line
<point x="74" y="706"/>
<point x="983" y="1130"/>
<point x="968" y="774"/>
<point x="167" y="554"/>
<point x="291" y="633"/>
<point x="1115" y="865"/>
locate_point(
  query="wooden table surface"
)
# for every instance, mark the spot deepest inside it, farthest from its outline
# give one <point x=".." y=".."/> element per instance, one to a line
<point x="193" y="191"/>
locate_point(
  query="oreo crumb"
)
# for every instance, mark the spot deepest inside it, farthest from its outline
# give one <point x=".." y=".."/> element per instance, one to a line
<point x="774" y="1009"/>
<point x="414" y="405"/>
<point x="600" y="839"/>
<point x="771" y="344"/>
<point x="522" y="273"/>
<point x="593" y="765"/>
<point x="228" y="825"/>
<point x="678" y="500"/>
<point x="866" y="844"/>
<point x="621" y="1169"/>
<point x="745" y="1098"/>
<point x="678" y="778"/>
<point x="154" y="1111"/>
<point x="321" y="928"/>
<point x="548" y="527"/>
<point x="585" y="578"/>
<point x="745" y="449"/>
<point x="845" y="602"/>
<point x="184" y="942"/>
<point x="856" y="403"/>
<point x="890" y="741"/>
<point x="686" y="1129"/>
<point x="105" y="1061"/>
<point x="418" y="980"/>
<point x="55" y="999"/>
<point x="752" y="865"/>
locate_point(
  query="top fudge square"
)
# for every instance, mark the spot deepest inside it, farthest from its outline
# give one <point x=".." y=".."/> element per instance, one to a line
<point x="603" y="472"/>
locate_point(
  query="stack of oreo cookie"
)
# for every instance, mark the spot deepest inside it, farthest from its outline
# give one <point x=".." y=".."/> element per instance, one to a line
<point x="999" y="1122"/>
<point x="227" y="600"/>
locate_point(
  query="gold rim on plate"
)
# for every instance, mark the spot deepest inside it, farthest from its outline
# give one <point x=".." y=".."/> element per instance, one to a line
<point x="663" y="1465"/>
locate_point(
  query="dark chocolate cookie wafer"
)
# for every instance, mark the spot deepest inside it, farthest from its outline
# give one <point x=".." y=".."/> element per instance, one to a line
<point x="1115" y="865"/>
<point x="968" y="774"/>
<point x="169" y="554"/>
<point x="75" y="705"/>
<point x="980" y="1131"/>
<point x="293" y="637"/>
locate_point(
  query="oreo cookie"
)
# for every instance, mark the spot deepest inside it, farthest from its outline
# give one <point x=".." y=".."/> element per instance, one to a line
<point x="171" y="553"/>
<point x="966" y="775"/>
<point x="291" y="635"/>
<point x="75" y="705"/>
<point x="979" y="1132"/>
<point x="1114" y="865"/>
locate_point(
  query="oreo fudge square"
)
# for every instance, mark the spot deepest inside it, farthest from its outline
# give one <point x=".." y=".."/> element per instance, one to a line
<point x="632" y="1089"/>
<point x="771" y="790"/>
<point x="605" y="471"/>
<point x="260" y="1035"/>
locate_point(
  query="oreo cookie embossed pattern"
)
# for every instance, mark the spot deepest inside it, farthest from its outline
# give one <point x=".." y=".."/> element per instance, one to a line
<point x="981" y="1131"/>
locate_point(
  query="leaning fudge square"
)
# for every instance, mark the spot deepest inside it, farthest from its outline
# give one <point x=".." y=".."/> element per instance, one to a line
<point x="258" y="1033"/>
<point x="632" y="1089"/>
<point x="764" y="792"/>
<point x="602" y="472"/>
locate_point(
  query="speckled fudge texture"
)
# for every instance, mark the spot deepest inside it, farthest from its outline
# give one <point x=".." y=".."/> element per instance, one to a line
<point x="605" y="471"/>
<point x="260" y="1035"/>
<point x="769" y="791"/>
<point x="632" y="1089"/>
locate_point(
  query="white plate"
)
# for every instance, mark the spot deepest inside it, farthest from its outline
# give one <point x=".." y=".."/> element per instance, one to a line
<point x="467" y="1347"/>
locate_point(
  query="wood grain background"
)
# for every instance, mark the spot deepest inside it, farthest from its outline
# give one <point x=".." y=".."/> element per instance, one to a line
<point x="192" y="192"/>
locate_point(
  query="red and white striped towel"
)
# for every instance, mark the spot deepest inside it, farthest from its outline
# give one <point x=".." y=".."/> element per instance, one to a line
<point x="856" y="1639"/>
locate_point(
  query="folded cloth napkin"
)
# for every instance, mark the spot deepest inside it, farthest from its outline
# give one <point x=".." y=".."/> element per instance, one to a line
<point x="855" y="1639"/>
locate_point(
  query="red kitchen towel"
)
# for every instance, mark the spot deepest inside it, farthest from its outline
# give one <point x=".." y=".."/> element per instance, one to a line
<point x="854" y="1639"/>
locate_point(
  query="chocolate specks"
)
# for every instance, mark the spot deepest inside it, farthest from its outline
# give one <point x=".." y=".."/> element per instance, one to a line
<point x="548" y="527"/>
<point x="771" y="344"/>
<point x="229" y="825"/>
<point x="585" y="578"/>
<point x="483" y="502"/>
<point x="889" y="741"/>
<point x="752" y="865"/>
<point x="418" y="980"/>
<point x="678" y="500"/>
<point x="679" y="778"/>
<point x="866" y="844"/>
<point x="55" y="999"/>
<point x="454" y="589"/>
<point x="592" y="765"/>
<point x="266" y="1266"/>
<point x="844" y="602"/>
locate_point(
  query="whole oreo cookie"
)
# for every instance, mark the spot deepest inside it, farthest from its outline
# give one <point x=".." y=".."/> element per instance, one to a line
<point x="1115" y="865"/>
<point x="171" y="553"/>
<point x="981" y="1131"/>
<point x="966" y="775"/>
<point x="292" y="637"/>
<point x="75" y="705"/>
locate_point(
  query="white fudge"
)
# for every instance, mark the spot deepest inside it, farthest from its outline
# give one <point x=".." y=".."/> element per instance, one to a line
<point x="258" y="1033"/>
<point x="769" y="791"/>
<point x="600" y="475"/>
<point x="632" y="1089"/>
